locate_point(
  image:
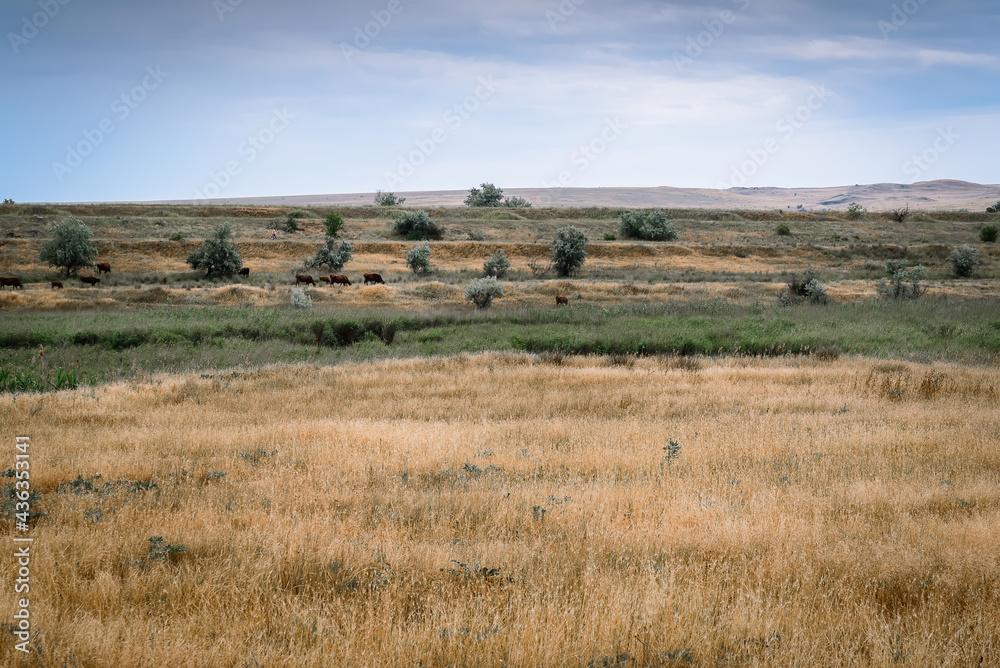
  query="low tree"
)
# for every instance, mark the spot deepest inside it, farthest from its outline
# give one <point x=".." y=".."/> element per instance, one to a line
<point x="218" y="257"/>
<point x="417" y="226"/>
<point x="902" y="281"/>
<point x="482" y="291"/>
<point x="964" y="260"/>
<point x="70" y="246"/>
<point x="647" y="225"/>
<point x="332" y="255"/>
<point x="8" y="200"/>
<point x="418" y="259"/>
<point x="498" y="265"/>
<point x="388" y="199"/>
<point x="333" y="223"/>
<point x="488" y="195"/>
<point x="569" y="250"/>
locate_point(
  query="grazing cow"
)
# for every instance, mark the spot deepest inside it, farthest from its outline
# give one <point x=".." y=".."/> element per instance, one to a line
<point x="57" y="284"/>
<point x="103" y="268"/>
<point x="325" y="279"/>
<point x="339" y="279"/>
<point x="373" y="278"/>
<point x="562" y="301"/>
<point x="304" y="278"/>
<point x="12" y="281"/>
<point x="90" y="280"/>
<point x="245" y="271"/>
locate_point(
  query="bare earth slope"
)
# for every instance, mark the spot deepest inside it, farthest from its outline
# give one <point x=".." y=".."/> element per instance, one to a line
<point x="941" y="195"/>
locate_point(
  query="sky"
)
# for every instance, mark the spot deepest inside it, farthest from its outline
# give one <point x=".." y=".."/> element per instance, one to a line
<point x="115" y="100"/>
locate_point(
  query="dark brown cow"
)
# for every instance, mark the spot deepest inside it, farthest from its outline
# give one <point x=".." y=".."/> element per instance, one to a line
<point x="304" y="278"/>
<point x="12" y="281"/>
<point x="57" y="284"/>
<point x="103" y="268"/>
<point x="325" y="279"/>
<point x="562" y="301"/>
<point x="339" y="279"/>
<point x="373" y="278"/>
<point x="245" y="271"/>
<point x="90" y="280"/>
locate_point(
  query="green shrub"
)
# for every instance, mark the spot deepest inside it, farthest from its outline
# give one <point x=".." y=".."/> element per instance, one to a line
<point x="332" y="255"/>
<point x="301" y="299"/>
<point x="388" y="199"/>
<point x="418" y="259"/>
<point x="69" y="247"/>
<point x="647" y="225"/>
<point x="569" y="250"/>
<point x="7" y="200"/>
<point x="988" y="234"/>
<point x="855" y="211"/>
<point x="610" y="236"/>
<point x="218" y="257"/>
<point x="990" y="209"/>
<point x="334" y="223"/>
<point x="488" y="195"/>
<point x="902" y="281"/>
<point x="417" y="226"/>
<point x="964" y="260"/>
<point x="807" y="287"/>
<point x="482" y="291"/>
<point x="782" y="230"/>
<point x="180" y="236"/>
<point x="498" y="265"/>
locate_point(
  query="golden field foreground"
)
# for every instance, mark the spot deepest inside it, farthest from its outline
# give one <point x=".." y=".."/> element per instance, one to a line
<point x="510" y="510"/>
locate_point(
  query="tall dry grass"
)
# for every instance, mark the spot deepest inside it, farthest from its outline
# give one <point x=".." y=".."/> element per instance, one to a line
<point x="508" y="510"/>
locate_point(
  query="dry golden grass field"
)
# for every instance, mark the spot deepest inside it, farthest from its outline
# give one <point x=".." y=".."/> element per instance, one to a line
<point x="508" y="510"/>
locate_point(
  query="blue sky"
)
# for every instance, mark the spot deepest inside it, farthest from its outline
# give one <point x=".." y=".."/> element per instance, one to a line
<point x="116" y="100"/>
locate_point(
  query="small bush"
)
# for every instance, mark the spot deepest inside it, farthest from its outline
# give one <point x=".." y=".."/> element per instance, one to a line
<point x="7" y="200"/>
<point x="498" y="265"/>
<point x="610" y="236"/>
<point x="900" y="214"/>
<point x="647" y="225"/>
<point x="418" y="259"/>
<point x="388" y="199"/>
<point x="816" y="292"/>
<point x="990" y="209"/>
<point x="902" y="281"/>
<point x="482" y="291"/>
<point x="417" y="226"/>
<point x="782" y="230"/>
<point x="964" y="260"/>
<point x="855" y="211"/>
<point x="488" y="195"/>
<point x="332" y="255"/>
<point x="569" y="250"/>
<point x="180" y="236"/>
<point x="160" y="549"/>
<point x="333" y="223"/>
<point x="808" y="287"/>
<point x="988" y="234"/>
<point x="301" y="299"/>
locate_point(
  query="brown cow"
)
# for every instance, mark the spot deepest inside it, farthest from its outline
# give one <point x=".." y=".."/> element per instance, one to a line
<point x="57" y="284"/>
<point x="12" y="281"/>
<point x="339" y="279"/>
<point x="373" y="278"/>
<point x="325" y="279"/>
<point x="562" y="301"/>
<point x="245" y="271"/>
<point x="103" y="268"/>
<point x="90" y="280"/>
<point x="304" y="278"/>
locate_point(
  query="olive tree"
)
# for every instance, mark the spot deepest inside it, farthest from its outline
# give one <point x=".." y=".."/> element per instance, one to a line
<point x="569" y="250"/>
<point x="332" y="255"/>
<point x="218" y="257"/>
<point x="69" y="247"/>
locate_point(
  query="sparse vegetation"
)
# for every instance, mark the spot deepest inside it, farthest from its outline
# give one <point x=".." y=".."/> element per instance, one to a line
<point x="497" y="265"/>
<point x="900" y="214"/>
<point x="418" y="258"/>
<point x="647" y="225"/>
<point x="417" y="226"/>
<point x="70" y="247"/>
<point x="964" y="261"/>
<point x="902" y="281"/>
<point x="218" y="257"/>
<point x="569" y="250"/>
<point x="482" y="291"/>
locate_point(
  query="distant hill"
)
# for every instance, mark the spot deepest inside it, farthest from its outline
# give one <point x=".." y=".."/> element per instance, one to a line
<point x="942" y="195"/>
